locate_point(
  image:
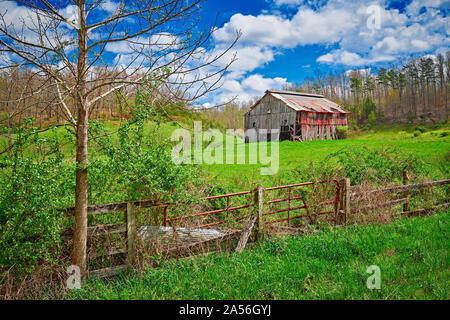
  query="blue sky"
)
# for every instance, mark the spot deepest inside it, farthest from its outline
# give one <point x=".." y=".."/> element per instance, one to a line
<point x="285" y="41"/>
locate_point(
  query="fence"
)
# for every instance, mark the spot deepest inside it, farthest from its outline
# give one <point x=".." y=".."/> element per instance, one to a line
<point x="259" y="208"/>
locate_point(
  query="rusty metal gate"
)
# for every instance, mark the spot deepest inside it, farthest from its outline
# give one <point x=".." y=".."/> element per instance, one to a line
<point x="299" y="205"/>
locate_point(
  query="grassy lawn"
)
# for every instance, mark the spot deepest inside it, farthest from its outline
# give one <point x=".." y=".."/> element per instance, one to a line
<point x="429" y="146"/>
<point x="413" y="255"/>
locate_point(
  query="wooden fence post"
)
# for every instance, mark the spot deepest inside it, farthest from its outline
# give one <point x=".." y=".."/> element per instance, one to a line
<point x="258" y="211"/>
<point x="246" y="234"/>
<point x="406" y="206"/>
<point x="346" y="200"/>
<point x="131" y="233"/>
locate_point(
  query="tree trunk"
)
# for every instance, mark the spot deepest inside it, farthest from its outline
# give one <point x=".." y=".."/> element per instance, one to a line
<point x="81" y="187"/>
<point x="81" y="193"/>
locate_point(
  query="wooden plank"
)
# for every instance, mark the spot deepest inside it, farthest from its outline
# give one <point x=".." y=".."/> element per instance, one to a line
<point x="246" y="234"/>
<point x="131" y="233"/>
<point x="259" y="207"/>
<point x="381" y="205"/>
<point x="407" y="188"/>
<point x="118" y="207"/>
<point x="107" y="272"/>
<point x="344" y="201"/>
<point x="203" y="246"/>
<point x="347" y="200"/>
<point x="168" y="237"/>
<point x="111" y="252"/>
<point x="426" y="211"/>
<point x="97" y="230"/>
<point x="406" y="207"/>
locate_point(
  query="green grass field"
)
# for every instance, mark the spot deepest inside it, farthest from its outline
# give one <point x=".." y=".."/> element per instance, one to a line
<point x="412" y="253"/>
<point x="432" y="147"/>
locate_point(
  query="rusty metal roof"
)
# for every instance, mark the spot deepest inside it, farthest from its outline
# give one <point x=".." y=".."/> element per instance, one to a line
<point x="306" y="102"/>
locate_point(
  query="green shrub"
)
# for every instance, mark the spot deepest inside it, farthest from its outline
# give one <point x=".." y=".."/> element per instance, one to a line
<point x="342" y="132"/>
<point x="37" y="184"/>
<point x="417" y="133"/>
<point x="32" y="192"/>
<point x="372" y="118"/>
<point x="374" y="165"/>
<point x="421" y="129"/>
<point x="444" y="134"/>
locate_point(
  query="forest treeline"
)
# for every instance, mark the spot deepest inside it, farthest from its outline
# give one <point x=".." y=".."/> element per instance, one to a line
<point x="410" y="91"/>
<point x="415" y="90"/>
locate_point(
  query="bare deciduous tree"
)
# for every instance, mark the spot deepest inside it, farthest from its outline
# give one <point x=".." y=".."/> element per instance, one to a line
<point x="87" y="50"/>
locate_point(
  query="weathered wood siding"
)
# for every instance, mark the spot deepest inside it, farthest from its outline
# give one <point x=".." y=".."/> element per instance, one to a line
<point x="271" y="113"/>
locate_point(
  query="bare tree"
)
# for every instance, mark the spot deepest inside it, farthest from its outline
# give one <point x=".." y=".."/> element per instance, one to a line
<point x="71" y="46"/>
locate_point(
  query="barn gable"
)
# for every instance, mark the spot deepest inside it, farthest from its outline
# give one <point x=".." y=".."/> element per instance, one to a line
<point x="298" y="116"/>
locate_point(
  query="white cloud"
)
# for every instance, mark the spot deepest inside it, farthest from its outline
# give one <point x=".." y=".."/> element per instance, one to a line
<point x="247" y="59"/>
<point x="343" y="57"/>
<point x="288" y="2"/>
<point x="109" y="6"/>
<point x="262" y="30"/>
<point x="252" y="86"/>
<point x="420" y="44"/>
<point x="338" y="25"/>
<point x="344" y="24"/>
<point x="306" y="27"/>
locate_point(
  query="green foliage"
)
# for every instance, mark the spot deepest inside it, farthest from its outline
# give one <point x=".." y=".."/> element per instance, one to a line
<point x="298" y="156"/>
<point x="372" y="118"/>
<point x="137" y="165"/>
<point x="37" y="183"/>
<point x="412" y="254"/>
<point x="421" y="129"/>
<point x="33" y="189"/>
<point x="342" y="132"/>
<point x="378" y="165"/>
<point x="440" y="125"/>
<point x="444" y="134"/>
<point x="368" y="109"/>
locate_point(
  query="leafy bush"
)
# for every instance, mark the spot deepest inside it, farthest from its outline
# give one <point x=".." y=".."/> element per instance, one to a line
<point x="378" y="165"/>
<point x="368" y="112"/>
<point x="37" y="184"/>
<point x="421" y="129"/>
<point x="372" y="118"/>
<point x="417" y="133"/>
<point x="32" y="192"/>
<point x="444" y="134"/>
<point x="342" y="132"/>
<point x="137" y="165"/>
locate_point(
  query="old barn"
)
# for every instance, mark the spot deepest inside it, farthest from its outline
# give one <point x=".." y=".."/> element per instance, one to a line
<point x="298" y="116"/>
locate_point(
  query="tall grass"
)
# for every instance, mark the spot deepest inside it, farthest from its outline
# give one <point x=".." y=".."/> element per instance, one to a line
<point x="411" y="253"/>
